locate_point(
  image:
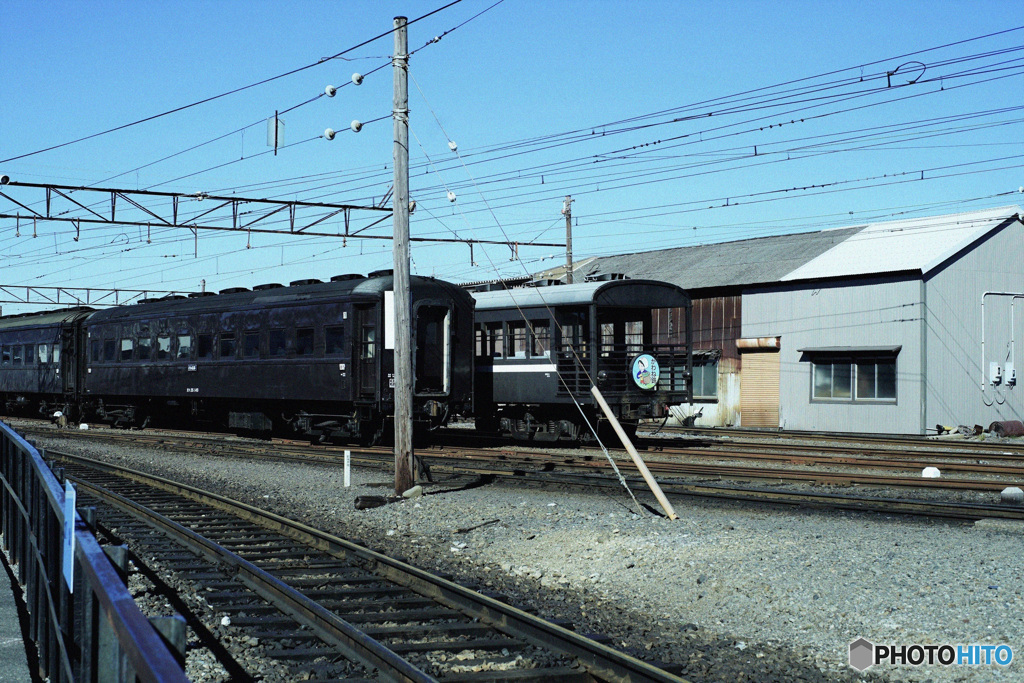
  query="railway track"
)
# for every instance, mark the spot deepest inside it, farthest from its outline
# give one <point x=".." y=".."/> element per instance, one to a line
<point x="1008" y="467"/>
<point x="317" y="607"/>
<point x="789" y="487"/>
<point x="901" y="441"/>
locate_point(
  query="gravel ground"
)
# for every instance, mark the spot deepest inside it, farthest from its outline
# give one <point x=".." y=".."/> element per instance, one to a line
<point x="729" y="592"/>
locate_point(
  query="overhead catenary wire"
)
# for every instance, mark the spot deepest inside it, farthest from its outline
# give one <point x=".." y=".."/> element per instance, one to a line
<point x="429" y="42"/>
<point x="539" y="199"/>
<point x="230" y="92"/>
<point x="386" y="63"/>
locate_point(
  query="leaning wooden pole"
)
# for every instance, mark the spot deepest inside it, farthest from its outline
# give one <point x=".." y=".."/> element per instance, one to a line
<point x="640" y="464"/>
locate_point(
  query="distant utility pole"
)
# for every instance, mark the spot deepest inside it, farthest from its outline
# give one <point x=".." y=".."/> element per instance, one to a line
<point x="567" y="212"/>
<point x="404" y="477"/>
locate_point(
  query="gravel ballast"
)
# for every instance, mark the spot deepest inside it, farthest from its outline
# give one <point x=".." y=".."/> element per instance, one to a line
<point x="728" y="592"/>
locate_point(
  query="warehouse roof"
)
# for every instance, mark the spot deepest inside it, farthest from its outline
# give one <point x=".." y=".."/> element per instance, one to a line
<point x="918" y="244"/>
<point x="915" y="244"/>
<point x="746" y="262"/>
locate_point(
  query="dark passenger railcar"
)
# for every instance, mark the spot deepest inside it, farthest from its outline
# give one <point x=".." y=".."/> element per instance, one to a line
<point x="540" y="349"/>
<point x="39" y="372"/>
<point x="317" y="358"/>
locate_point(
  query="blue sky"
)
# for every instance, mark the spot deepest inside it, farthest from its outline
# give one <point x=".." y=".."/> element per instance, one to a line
<point x="647" y="113"/>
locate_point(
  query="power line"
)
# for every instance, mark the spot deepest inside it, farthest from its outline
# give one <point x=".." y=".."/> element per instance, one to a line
<point x="230" y="92"/>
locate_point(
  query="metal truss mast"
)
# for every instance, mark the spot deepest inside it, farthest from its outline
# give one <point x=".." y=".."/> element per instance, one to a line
<point x="233" y="214"/>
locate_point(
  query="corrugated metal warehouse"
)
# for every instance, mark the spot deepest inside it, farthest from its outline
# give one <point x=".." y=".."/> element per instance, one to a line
<point x="891" y="327"/>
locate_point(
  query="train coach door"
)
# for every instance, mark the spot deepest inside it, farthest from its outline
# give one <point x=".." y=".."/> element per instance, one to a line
<point x="68" y="365"/>
<point x="432" y="350"/>
<point x="366" y="351"/>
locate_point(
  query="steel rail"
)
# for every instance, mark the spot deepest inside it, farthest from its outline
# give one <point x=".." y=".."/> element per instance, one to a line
<point x="527" y="466"/>
<point x="951" y="510"/>
<point x="602" y="662"/>
<point x="898" y="451"/>
<point x="895" y="440"/>
<point x="904" y="461"/>
<point x="353" y="643"/>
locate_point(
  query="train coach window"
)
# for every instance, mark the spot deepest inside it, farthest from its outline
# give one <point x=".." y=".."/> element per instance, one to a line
<point x="334" y="340"/>
<point x="56" y="352"/>
<point x="43" y="353"/>
<point x="607" y="339"/>
<point x="184" y="346"/>
<point x="94" y="351"/>
<point x="541" y="339"/>
<point x="634" y="336"/>
<point x="163" y="348"/>
<point x="276" y="343"/>
<point x="227" y="345"/>
<point x="575" y="336"/>
<point x="5" y="355"/>
<point x="495" y="341"/>
<point x="30" y="354"/>
<point x="144" y="345"/>
<point x="204" y="346"/>
<point x="127" y="347"/>
<point x="369" y="349"/>
<point x="517" y="340"/>
<point x="251" y="347"/>
<point x="16" y="354"/>
<point x="109" y="350"/>
<point x="304" y="341"/>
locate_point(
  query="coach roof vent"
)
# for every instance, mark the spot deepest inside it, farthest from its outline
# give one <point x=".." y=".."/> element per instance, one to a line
<point x="308" y="281"/>
<point x="605" y="277"/>
<point x="172" y="297"/>
<point x="269" y="285"/>
<point x="199" y="295"/>
<point x="234" y="290"/>
<point x="348" y="276"/>
<point x="381" y="273"/>
<point x="544" y="283"/>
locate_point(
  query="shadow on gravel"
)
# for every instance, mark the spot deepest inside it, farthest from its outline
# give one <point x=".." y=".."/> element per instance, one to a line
<point x="482" y="480"/>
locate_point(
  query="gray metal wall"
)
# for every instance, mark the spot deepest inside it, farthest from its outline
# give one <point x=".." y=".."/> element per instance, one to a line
<point x="954" y="362"/>
<point x="864" y="312"/>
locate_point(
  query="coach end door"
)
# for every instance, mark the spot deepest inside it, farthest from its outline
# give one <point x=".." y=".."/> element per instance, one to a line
<point x="366" y="352"/>
<point x="67" y="363"/>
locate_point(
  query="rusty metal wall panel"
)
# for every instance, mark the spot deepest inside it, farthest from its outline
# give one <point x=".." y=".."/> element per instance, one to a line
<point x="759" y="389"/>
<point x="716" y="324"/>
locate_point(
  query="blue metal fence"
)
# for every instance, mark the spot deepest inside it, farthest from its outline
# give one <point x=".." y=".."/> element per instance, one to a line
<point x="96" y="632"/>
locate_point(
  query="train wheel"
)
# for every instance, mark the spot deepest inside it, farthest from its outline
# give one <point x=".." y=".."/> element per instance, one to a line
<point x="371" y="433"/>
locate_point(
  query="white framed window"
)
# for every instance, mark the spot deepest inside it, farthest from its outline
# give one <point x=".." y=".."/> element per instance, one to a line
<point x="854" y="378"/>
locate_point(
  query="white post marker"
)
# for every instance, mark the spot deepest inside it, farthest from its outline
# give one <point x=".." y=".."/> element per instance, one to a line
<point x="68" y="564"/>
<point x="348" y="468"/>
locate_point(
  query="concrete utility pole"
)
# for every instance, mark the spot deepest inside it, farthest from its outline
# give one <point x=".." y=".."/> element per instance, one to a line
<point x="404" y="477"/>
<point x="567" y="212"/>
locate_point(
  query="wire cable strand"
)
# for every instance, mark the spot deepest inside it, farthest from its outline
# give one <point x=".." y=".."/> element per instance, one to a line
<point x="229" y="92"/>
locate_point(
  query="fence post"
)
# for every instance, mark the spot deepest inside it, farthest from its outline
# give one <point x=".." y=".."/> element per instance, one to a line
<point x="110" y="658"/>
<point x="174" y="631"/>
